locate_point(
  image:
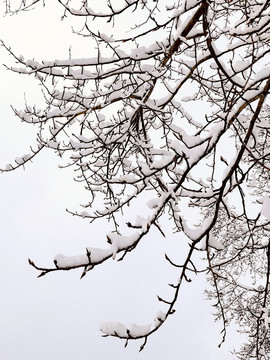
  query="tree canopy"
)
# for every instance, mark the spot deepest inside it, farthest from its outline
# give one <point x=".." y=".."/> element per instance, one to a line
<point x="169" y="113"/>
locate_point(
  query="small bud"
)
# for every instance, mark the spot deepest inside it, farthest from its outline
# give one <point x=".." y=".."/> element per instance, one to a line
<point x="109" y="240"/>
<point x="42" y="274"/>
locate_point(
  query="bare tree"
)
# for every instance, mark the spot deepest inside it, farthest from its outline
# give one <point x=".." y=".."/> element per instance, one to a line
<point x="173" y="114"/>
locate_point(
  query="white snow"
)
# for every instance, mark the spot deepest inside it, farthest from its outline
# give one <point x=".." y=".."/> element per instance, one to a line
<point x="153" y="203"/>
<point x="121" y="242"/>
<point x="117" y="328"/>
<point x="160" y="317"/>
<point x="214" y="243"/>
<point x="69" y="261"/>
<point x="114" y="328"/>
<point x="139" y="330"/>
<point x="266" y="317"/>
<point x="96" y="256"/>
<point x="266" y="207"/>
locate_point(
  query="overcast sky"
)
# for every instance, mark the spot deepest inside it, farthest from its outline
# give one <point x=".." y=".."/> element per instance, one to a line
<point x="58" y="316"/>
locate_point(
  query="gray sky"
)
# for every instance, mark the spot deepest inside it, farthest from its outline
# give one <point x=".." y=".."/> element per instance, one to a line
<point x="58" y="316"/>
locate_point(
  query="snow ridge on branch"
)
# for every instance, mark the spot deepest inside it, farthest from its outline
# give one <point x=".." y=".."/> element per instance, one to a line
<point x="173" y="114"/>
